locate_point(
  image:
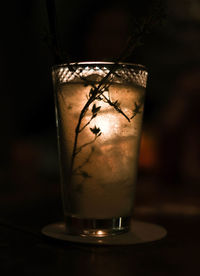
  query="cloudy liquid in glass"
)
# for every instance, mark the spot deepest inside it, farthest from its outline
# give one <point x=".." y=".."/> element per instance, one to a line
<point x="102" y="183"/>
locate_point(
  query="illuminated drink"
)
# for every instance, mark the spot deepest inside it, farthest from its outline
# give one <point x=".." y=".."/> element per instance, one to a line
<point x="99" y="108"/>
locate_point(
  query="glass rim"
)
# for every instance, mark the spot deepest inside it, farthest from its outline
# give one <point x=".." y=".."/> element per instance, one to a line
<point x="88" y="63"/>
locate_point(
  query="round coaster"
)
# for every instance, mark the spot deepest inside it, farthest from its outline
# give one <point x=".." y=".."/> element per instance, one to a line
<point x="140" y="232"/>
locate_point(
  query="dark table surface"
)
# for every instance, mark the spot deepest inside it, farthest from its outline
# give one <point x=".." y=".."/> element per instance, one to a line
<point x="24" y="250"/>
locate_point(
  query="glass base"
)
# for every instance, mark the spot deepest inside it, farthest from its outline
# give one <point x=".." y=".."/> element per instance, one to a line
<point x="97" y="227"/>
<point x="139" y="232"/>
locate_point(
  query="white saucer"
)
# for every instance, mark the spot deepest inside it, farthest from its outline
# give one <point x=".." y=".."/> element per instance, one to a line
<point x="140" y="232"/>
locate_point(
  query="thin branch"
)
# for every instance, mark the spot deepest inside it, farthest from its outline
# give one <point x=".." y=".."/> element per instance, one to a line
<point x="85" y="162"/>
<point x="136" y="110"/>
<point x="86" y="144"/>
<point x="117" y="108"/>
<point x="97" y="91"/>
<point x="85" y="125"/>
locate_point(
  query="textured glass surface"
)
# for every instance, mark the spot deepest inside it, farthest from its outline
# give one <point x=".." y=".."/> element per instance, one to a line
<point x="123" y="73"/>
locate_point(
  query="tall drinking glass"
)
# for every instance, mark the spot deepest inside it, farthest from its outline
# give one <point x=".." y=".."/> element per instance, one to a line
<point x="99" y="108"/>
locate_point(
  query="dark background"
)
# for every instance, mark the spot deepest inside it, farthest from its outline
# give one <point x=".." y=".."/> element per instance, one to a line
<point x="168" y="187"/>
<point x="169" y="159"/>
